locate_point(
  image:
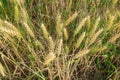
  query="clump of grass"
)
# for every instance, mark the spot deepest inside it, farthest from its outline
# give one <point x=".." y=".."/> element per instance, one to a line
<point x="62" y="50"/>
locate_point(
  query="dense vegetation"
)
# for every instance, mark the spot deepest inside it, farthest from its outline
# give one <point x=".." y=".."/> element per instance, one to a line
<point x="59" y="40"/>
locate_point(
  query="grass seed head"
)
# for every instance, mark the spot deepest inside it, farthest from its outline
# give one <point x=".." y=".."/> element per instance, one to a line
<point x="51" y="43"/>
<point x="16" y="13"/>
<point x="70" y="19"/>
<point x="28" y="29"/>
<point x="95" y="26"/>
<point x="110" y="22"/>
<point x="45" y="32"/>
<point x="81" y="53"/>
<point x="49" y="58"/>
<point x="65" y="34"/>
<point x="95" y="36"/>
<point x="59" y="25"/>
<point x="79" y="26"/>
<point x="60" y="47"/>
<point x="114" y="38"/>
<point x="80" y="39"/>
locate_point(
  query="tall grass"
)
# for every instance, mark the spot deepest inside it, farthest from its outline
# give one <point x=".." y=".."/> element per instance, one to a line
<point x="59" y="40"/>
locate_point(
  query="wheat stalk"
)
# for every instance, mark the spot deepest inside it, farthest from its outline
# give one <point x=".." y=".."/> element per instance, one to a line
<point x="24" y="15"/>
<point x="70" y="19"/>
<point x="16" y="12"/>
<point x="81" y="54"/>
<point x="38" y="43"/>
<point x="59" y="25"/>
<point x="9" y="25"/>
<point x="29" y="30"/>
<point x="95" y="26"/>
<point x="8" y="28"/>
<point x="88" y="22"/>
<point x="51" y="43"/>
<point x="110" y="22"/>
<point x="80" y="39"/>
<point x="49" y="58"/>
<point x="80" y="26"/>
<point x="114" y="38"/>
<point x="45" y="32"/>
<point x="60" y="47"/>
<point x="65" y="34"/>
<point x="10" y="32"/>
<point x="95" y="36"/>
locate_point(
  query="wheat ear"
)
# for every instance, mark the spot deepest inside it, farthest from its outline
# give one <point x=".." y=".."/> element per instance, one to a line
<point x="79" y="26"/>
<point x="95" y="36"/>
<point x="65" y="34"/>
<point x="81" y="53"/>
<point x="28" y="29"/>
<point x="70" y="19"/>
<point x="49" y="58"/>
<point x="59" y="25"/>
<point x="45" y="32"/>
<point x="114" y="38"/>
<point x="95" y="26"/>
<point x="80" y="39"/>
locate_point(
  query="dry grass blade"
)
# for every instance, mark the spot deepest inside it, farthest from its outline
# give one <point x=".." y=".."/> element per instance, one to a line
<point x="79" y="26"/>
<point x="114" y="38"/>
<point x="2" y="71"/>
<point x="81" y="53"/>
<point x="80" y="39"/>
<point x="70" y="19"/>
<point x="50" y="57"/>
<point x="95" y="36"/>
